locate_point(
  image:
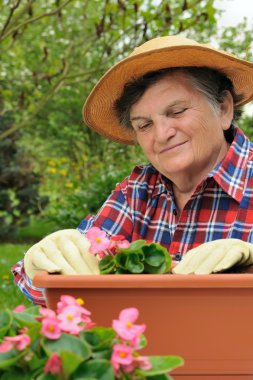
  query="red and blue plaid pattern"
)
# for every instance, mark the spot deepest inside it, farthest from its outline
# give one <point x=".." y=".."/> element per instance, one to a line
<point x="143" y="207"/>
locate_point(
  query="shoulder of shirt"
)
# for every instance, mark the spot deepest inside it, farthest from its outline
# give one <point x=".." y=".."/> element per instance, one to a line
<point x="141" y="176"/>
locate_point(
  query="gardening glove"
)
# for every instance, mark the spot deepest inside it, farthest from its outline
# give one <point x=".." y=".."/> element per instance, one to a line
<point x="215" y="256"/>
<point x="65" y="252"/>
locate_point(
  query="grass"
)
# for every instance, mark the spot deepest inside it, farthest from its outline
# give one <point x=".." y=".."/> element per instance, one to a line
<point x="36" y="230"/>
<point x="10" y="295"/>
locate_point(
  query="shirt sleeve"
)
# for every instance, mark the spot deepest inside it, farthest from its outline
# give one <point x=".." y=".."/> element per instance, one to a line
<point x="114" y="218"/>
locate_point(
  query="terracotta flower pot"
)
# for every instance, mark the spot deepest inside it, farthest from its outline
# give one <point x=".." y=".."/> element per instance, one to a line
<point x="205" y="319"/>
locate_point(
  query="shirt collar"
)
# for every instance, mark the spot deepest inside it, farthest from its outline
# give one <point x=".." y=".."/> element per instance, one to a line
<point x="162" y="185"/>
<point x="230" y="173"/>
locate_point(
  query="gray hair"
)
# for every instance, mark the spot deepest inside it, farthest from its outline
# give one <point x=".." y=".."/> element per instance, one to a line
<point x="211" y="83"/>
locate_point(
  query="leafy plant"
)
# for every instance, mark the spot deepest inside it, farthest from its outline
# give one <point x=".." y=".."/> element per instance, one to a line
<point x="118" y="256"/>
<point x="139" y="257"/>
<point x="41" y="344"/>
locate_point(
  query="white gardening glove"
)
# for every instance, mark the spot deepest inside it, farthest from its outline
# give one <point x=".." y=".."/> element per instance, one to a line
<point x="215" y="256"/>
<point x="65" y="252"/>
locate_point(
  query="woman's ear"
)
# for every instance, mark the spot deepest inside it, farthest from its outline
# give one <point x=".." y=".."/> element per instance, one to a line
<point x="226" y="110"/>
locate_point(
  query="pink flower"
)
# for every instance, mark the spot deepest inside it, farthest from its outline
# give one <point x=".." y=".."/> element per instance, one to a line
<point x="99" y="241"/>
<point x="45" y="313"/>
<point x="68" y="301"/>
<point x="19" y="308"/>
<point x="126" y="328"/>
<point x="50" y="328"/>
<point x="20" y="342"/>
<point x="123" y="244"/>
<point x="138" y="362"/>
<point x="70" y="319"/>
<point x="24" y="330"/>
<point x="118" y="241"/>
<point x="6" y="346"/>
<point x="121" y="355"/>
<point x="54" y="364"/>
<point x="142" y="362"/>
<point x="65" y="301"/>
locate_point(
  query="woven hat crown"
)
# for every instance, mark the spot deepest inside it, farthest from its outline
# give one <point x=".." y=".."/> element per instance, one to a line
<point x="159" y="53"/>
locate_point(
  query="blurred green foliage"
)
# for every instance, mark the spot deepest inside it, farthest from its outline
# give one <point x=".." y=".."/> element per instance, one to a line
<point x="52" y="54"/>
<point x="19" y="185"/>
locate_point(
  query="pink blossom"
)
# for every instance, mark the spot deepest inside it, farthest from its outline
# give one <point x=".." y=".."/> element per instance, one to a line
<point x="99" y="241"/>
<point x="123" y="244"/>
<point x="86" y="323"/>
<point x="68" y="301"/>
<point x="118" y="241"/>
<point x="54" y="364"/>
<point x="138" y="362"/>
<point x="24" y="330"/>
<point x="19" y="309"/>
<point x="126" y="328"/>
<point x="142" y="362"/>
<point x="70" y="319"/>
<point x="50" y="328"/>
<point x="20" y="342"/>
<point x="45" y="313"/>
<point x="6" y="346"/>
<point x="121" y="355"/>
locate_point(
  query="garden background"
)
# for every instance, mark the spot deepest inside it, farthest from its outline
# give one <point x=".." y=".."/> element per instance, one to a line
<point x="54" y="170"/>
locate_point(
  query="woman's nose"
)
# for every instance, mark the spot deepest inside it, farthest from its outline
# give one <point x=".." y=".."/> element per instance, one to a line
<point x="164" y="129"/>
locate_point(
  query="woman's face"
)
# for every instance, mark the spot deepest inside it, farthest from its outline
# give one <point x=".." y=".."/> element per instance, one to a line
<point x="177" y="128"/>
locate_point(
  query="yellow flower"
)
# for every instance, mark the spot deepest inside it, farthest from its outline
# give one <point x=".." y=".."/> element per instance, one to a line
<point x="52" y="170"/>
<point x="70" y="185"/>
<point x="63" y="172"/>
<point x="5" y="277"/>
<point x="51" y="163"/>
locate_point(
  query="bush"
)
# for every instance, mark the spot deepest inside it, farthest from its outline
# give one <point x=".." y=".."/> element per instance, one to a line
<point x="19" y="197"/>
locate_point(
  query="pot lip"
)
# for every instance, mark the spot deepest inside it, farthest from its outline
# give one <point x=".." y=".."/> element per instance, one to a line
<point x="109" y="281"/>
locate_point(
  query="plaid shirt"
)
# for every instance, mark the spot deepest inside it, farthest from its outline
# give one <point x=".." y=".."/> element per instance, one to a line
<point x="143" y="207"/>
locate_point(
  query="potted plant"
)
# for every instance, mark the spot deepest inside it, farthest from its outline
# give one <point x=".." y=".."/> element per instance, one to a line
<point x="205" y="319"/>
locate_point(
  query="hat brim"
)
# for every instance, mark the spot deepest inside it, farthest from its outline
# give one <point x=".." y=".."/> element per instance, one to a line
<point x="98" y="110"/>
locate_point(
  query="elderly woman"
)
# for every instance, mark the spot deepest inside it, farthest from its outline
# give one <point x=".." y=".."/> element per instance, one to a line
<point x="179" y="101"/>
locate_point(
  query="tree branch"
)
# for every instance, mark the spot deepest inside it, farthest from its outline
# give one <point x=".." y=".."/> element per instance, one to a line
<point x="33" y="19"/>
<point x="10" y="17"/>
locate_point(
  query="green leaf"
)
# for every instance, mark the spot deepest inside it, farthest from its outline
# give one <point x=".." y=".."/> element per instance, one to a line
<point x="163" y="376"/>
<point x="134" y="247"/>
<point x="154" y="255"/>
<point x="99" y="369"/>
<point x="6" y="319"/>
<point x="72" y="350"/>
<point x="121" y="271"/>
<point x="161" y="365"/>
<point x="107" y="264"/>
<point x="155" y="270"/>
<point x="168" y="261"/>
<point x="15" y="374"/>
<point x="27" y="317"/>
<point x="70" y="362"/>
<point x="7" y="359"/>
<point x="100" y="338"/>
<point x="133" y="263"/>
<point x="121" y="260"/>
<point x="43" y="376"/>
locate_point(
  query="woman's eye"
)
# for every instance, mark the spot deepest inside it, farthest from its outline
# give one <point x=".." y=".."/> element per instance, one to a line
<point x="143" y="127"/>
<point x="179" y="112"/>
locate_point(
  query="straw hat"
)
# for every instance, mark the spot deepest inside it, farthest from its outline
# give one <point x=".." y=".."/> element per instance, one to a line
<point x="156" y="54"/>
